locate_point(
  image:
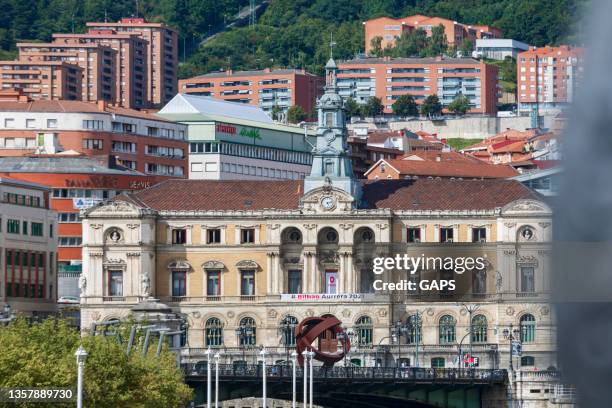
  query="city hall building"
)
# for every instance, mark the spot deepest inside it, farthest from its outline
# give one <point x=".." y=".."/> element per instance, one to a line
<point x="244" y="261"/>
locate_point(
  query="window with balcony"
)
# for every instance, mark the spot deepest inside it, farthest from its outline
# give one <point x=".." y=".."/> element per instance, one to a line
<point x="364" y="329"/>
<point x="179" y="283"/>
<point x="294" y="281"/>
<point x="247" y="282"/>
<point x="213" y="282"/>
<point x="115" y="283"/>
<point x="528" y="328"/>
<point x="447" y="329"/>
<point x="288" y="325"/>
<point x="527" y="279"/>
<point x="479" y="329"/>
<point x="248" y="333"/>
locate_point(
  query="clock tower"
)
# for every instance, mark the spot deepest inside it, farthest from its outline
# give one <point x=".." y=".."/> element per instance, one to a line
<point x="331" y="163"/>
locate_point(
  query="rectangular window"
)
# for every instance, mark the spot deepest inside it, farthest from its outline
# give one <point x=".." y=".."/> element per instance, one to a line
<point x="37" y="229"/>
<point x="179" y="236"/>
<point x="70" y="241"/>
<point x="115" y="283"/>
<point x="92" y="144"/>
<point x="437" y="362"/>
<point x="51" y="123"/>
<point x="247" y="236"/>
<point x="213" y="283"/>
<point x="179" y="283"/>
<point x="294" y="284"/>
<point x="479" y="235"/>
<point x="93" y="124"/>
<point x="9" y="123"/>
<point x="247" y="283"/>
<point x="30" y="123"/>
<point x="446" y="235"/>
<point x="527" y="279"/>
<point x="414" y="235"/>
<point x="25" y="227"/>
<point x="213" y="236"/>
<point x="12" y="226"/>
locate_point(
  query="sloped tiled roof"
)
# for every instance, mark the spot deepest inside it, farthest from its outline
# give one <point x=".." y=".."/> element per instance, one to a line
<point x="422" y="194"/>
<point x="457" y="169"/>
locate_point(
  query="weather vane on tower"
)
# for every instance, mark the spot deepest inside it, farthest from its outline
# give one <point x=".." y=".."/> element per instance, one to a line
<point x="331" y="45"/>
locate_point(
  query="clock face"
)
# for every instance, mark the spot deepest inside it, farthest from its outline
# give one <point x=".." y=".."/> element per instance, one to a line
<point x="328" y="203"/>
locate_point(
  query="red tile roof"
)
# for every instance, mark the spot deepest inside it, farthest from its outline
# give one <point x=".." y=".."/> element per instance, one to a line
<point x="422" y="194"/>
<point x="450" y="169"/>
<point x="445" y="157"/>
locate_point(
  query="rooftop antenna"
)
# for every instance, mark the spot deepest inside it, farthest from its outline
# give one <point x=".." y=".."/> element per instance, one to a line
<point x="105" y="16"/>
<point x="331" y="45"/>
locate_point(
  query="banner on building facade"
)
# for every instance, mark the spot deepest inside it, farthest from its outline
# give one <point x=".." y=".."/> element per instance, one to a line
<point x="326" y="297"/>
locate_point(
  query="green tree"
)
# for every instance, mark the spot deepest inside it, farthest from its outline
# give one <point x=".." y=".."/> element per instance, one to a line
<point x="376" y="46"/>
<point x="410" y="44"/>
<point x="373" y="107"/>
<point x="436" y="43"/>
<point x="296" y="114"/>
<point x="42" y="355"/>
<point x="352" y="108"/>
<point x="466" y="48"/>
<point x="460" y="104"/>
<point x="404" y="106"/>
<point x="431" y="106"/>
<point x="275" y="113"/>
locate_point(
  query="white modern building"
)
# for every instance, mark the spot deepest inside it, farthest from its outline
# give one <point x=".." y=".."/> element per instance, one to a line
<point x="230" y="141"/>
<point x="28" y="248"/>
<point x="498" y="48"/>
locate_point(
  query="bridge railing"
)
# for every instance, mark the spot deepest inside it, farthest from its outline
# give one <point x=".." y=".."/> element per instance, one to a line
<point x="283" y="371"/>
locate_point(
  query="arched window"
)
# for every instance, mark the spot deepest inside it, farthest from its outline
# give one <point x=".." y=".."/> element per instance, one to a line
<point x="328" y="236"/>
<point x="364" y="236"/>
<point x="479" y="329"/>
<point x="447" y="329"/>
<point x="214" y="332"/>
<point x="363" y="327"/>
<point x="415" y="325"/>
<point x="287" y="327"/>
<point x="527" y="328"/>
<point x="527" y="361"/>
<point x="248" y="335"/>
<point x="292" y="235"/>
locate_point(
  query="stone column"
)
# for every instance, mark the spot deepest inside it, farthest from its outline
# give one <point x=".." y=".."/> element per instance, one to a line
<point x="278" y="274"/>
<point x="305" y="271"/>
<point x="342" y="278"/>
<point x="269" y="262"/>
<point x="351" y="273"/>
<point x="314" y="274"/>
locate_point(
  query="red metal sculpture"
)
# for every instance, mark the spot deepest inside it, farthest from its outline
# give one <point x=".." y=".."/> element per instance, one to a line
<point x="328" y="331"/>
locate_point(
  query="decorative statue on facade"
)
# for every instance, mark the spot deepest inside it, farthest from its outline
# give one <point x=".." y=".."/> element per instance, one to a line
<point x="82" y="284"/>
<point x="145" y="284"/>
<point x="329" y="332"/>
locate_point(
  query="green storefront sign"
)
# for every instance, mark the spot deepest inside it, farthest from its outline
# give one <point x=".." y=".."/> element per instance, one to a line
<point x="250" y="133"/>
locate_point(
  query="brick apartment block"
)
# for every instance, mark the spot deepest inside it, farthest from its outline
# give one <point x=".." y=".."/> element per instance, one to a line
<point x="42" y="79"/>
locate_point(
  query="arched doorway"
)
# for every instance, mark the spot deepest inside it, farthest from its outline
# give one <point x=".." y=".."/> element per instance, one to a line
<point x="328" y="342"/>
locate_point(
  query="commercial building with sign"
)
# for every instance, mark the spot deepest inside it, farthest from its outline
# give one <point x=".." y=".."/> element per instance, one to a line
<point x="266" y="88"/>
<point x="229" y="141"/>
<point x="244" y="261"/>
<point x="28" y="247"/>
<point x="138" y="140"/>
<point x="75" y="183"/>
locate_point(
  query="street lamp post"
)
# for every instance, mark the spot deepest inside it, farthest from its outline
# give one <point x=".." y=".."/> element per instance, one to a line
<point x="217" y="357"/>
<point x="81" y="356"/>
<point x="305" y="373"/>
<point x="511" y="334"/>
<point x="293" y="388"/>
<point x="208" y="379"/>
<point x="470" y="309"/>
<point x="263" y="353"/>
<point x="311" y="357"/>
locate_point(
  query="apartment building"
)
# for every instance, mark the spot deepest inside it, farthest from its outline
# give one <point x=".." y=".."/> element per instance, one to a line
<point x="73" y="183"/>
<point x="162" y="55"/>
<point x="389" y="78"/>
<point x="499" y="48"/>
<point x="28" y="247"/>
<point x="264" y="88"/>
<point x="547" y="77"/>
<point x="137" y="140"/>
<point x="390" y="29"/>
<point x="97" y="61"/>
<point x="131" y="58"/>
<point x="42" y="79"/>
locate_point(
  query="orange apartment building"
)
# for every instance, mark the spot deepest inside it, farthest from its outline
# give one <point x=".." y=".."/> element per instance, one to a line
<point x="389" y="78"/>
<point x="76" y="182"/>
<point x="547" y="77"/>
<point x="390" y="29"/>
<point x="96" y="60"/>
<point x="264" y="88"/>
<point x="137" y="140"/>
<point x="162" y="55"/>
<point x="131" y="76"/>
<point x="42" y="79"/>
